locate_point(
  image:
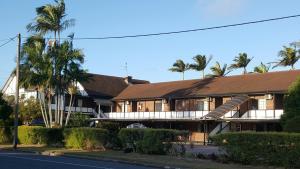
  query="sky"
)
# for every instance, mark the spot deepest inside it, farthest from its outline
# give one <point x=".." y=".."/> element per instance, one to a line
<point x="150" y="58"/>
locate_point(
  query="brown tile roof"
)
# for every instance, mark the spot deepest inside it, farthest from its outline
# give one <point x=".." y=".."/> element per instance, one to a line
<point x="106" y="86"/>
<point x="231" y="85"/>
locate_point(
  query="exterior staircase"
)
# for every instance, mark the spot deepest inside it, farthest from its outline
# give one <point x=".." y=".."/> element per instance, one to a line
<point x="230" y="105"/>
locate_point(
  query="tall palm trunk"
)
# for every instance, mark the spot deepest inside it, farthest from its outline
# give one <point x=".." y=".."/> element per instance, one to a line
<point x="69" y="110"/>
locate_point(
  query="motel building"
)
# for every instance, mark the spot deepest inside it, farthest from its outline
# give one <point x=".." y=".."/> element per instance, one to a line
<point x="205" y="107"/>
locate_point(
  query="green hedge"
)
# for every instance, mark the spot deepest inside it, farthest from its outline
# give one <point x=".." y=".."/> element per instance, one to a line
<point x="85" y="138"/>
<point x="150" y="141"/>
<point x="278" y="149"/>
<point x="113" y="129"/>
<point x="5" y="135"/>
<point x="40" y="135"/>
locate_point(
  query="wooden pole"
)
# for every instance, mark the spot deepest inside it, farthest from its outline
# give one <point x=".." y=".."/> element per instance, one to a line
<point x="15" y="141"/>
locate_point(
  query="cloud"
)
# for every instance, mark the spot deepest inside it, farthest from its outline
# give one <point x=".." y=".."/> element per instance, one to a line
<point x="221" y="8"/>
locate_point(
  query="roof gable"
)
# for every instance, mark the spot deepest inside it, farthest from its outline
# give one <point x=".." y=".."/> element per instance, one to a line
<point x="106" y="86"/>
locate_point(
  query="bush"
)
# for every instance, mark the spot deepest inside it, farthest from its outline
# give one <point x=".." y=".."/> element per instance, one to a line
<point x="278" y="149"/>
<point x="5" y="135"/>
<point x="292" y="125"/>
<point x="113" y="129"/>
<point x="85" y="138"/>
<point x="292" y="108"/>
<point x="130" y="137"/>
<point x="149" y="141"/>
<point x="78" y="119"/>
<point x="40" y="135"/>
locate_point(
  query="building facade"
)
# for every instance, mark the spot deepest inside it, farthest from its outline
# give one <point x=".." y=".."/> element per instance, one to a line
<point x="207" y="106"/>
<point x="94" y="96"/>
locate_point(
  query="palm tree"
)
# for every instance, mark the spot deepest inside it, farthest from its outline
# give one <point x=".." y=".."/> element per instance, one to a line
<point x="200" y="63"/>
<point x="262" y="68"/>
<point x="289" y="57"/>
<point x="241" y="61"/>
<point x="51" y="18"/>
<point x="180" y="66"/>
<point x="37" y="71"/>
<point x="218" y="70"/>
<point x="72" y="90"/>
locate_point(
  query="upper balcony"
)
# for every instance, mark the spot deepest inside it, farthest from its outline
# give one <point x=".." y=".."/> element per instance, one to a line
<point x="193" y="115"/>
<point x="169" y="115"/>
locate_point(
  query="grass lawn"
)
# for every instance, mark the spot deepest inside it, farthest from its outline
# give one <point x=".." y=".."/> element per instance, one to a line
<point x="157" y="160"/>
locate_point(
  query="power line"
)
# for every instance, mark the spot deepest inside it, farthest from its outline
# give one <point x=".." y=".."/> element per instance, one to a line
<point x="10" y="39"/>
<point x="184" y="31"/>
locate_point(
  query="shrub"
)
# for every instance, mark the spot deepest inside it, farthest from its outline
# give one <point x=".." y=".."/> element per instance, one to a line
<point x="292" y="125"/>
<point x="278" y="149"/>
<point x="292" y="108"/>
<point x="5" y="135"/>
<point x="113" y="129"/>
<point x="130" y="137"/>
<point x="40" y="135"/>
<point x="78" y="119"/>
<point x="149" y="141"/>
<point x="85" y="138"/>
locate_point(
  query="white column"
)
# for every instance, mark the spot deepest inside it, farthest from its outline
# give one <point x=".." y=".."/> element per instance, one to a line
<point x="99" y="110"/>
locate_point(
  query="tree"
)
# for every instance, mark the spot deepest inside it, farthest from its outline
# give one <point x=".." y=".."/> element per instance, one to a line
<point x="53" y="66"/>
<point x="36" y="71"/>
<point x="241" y="61"/>
<point x="218" y="70"/>
<point x="51" y="19"/>
<point x="289" y="57"/>
<point x="72" y="91"/>
<point x="262" y="68"/>
<point x="30" y="110"/>
<point x="5" y="112"/>
<point x="291" y="116"/>
<point x="201" y="63"/>
<point x="180" y="66"/>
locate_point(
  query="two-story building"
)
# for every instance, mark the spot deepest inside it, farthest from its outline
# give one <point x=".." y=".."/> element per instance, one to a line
<point x="94" y="96"/>
<point x="207" y="106"/>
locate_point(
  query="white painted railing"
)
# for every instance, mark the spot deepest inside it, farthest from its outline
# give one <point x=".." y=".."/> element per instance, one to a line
<point x="263" y="114"/>
<point x="76" y="109"/>
<point x="231" y="114"/>
<point x="157" y="115"/>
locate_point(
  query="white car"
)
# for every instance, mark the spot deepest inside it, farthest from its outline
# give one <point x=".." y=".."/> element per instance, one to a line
<point x="136" y="125"/>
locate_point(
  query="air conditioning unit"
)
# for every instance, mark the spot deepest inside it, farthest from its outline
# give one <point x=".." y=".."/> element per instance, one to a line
<point x="268" y="96"/>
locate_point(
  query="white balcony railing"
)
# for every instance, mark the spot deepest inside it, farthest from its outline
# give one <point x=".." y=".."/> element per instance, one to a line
<point x="263" y="114"/>
<point x="251" y="114"/>
<point x="76" y="109"/>
<point x="157" y="115"/>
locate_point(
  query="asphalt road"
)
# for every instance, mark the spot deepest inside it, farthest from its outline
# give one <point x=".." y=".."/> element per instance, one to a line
<point x="18" y="160"/>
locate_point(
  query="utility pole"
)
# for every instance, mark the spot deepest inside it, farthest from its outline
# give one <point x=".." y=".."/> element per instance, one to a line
<point x="15" y="143"/>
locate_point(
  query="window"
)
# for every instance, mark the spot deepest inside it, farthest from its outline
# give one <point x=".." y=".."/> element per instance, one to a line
<point x="79" y="103"/>
<point x="202" y="105"/>
<point x="262" y="105"/>
<point x="158" y="106"/>
<point x="124" y="107"/>
<point x="140" y="106"/>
